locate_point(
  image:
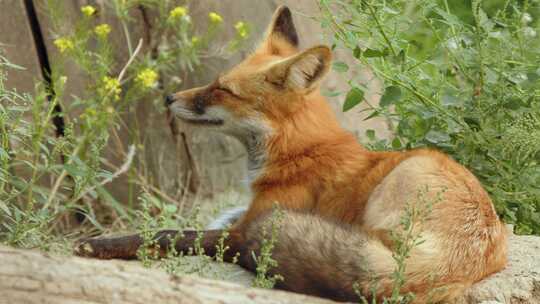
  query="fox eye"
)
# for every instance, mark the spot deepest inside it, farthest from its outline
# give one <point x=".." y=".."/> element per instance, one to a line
<point x="226" y="90"/>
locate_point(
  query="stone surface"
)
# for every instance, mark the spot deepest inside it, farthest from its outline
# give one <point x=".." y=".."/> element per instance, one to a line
<point x="32" y="277"/>
<point x="518" y="283"/>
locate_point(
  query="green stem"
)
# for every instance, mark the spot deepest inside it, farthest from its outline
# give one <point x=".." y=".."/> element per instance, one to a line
<point x="339" y="29"/>
<point x="380" y="28"/>
<point x="424" y="99"/>
<point x="478" y="40"/>
<point x="458" y="62"/>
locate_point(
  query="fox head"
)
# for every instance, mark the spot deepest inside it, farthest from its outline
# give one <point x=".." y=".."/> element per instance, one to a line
<point x="262" y="90"/>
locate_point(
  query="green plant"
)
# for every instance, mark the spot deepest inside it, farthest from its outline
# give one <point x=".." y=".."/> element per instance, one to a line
<point x="406" y="237"/>
<point x="155" y="215"/>
<point x="468" y="86"/>
<point x="46" y="177"/>
<point x="264" y="260"/>
<point x="22" y="223"/>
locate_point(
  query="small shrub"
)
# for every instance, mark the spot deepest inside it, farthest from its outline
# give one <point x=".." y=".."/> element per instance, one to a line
<point x="264" y="260"/>
<point x="406" y="237"/>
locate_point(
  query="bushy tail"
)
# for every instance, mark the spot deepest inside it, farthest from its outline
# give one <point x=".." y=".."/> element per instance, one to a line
<point x="326" y="259"/>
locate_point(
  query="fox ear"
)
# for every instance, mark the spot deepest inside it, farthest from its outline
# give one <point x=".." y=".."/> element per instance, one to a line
<point x="303" y="71"/>
<point x="281" y="37"/>
<point x="282" y="25"/>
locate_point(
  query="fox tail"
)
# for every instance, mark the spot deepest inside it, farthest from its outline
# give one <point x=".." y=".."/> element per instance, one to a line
<point x="322" y="258"/>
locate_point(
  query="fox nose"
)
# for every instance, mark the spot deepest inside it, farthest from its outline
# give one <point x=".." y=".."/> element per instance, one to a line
<point x="169" y="99"/>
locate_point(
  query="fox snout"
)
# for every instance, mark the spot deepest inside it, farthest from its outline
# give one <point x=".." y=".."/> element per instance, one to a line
<point x="195" y="106"/>
<point x="196" y="103"/>
<point x="169" y="99"/>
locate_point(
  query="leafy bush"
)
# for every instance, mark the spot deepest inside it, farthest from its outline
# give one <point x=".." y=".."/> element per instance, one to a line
<point x="466" y="82"/>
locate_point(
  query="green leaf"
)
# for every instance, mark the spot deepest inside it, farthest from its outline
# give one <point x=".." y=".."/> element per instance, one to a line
<point x="523" y="229"/>
<point x="357" y="52"/>
<point x="340" y="67"/>
<point x="513" y="104"/>
<point x="74" y="170"/>
<point x="390" y="10"/>
<point x="396" y="143"/>
<point x="368" y="53"/>
<point x="483" y="21"/>
<point x="420" y="127"/>
<point x="437" y="137"/>
<point x="450" y="19"/>
<point x="402" y="57"/>
<point x="5" y="208"/>
<point x="370" y="133"/>
<point x="329" y="93"/>
<point x="391" y="95"/>
<point x="517" y="78"/>
<point x="373" y="114"/>
<point x="354" y="97"/>
<point x="472" y="121"/>
<point x="170" y="208"/>
<point x="449" y="100"/>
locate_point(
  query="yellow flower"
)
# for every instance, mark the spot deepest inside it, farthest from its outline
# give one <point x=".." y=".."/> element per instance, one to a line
<point x="64" y="44"/>
<point x="102" y="30"/>
<point x="177" y="13"/>
<point x="195" y="40"/>
<point x="241" y="29"/>
<point x="111" y="86"/>
<point x="88" y="10"/>
<point x="215" y="17"/>
<point x="147" y="78"/>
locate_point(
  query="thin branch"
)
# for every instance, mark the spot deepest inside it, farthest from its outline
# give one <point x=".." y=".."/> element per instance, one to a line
<point x="137" y="50"/>
<point x="59" y="180"/>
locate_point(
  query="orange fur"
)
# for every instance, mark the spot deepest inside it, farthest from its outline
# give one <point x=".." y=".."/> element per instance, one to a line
<point x="303" y="160"/>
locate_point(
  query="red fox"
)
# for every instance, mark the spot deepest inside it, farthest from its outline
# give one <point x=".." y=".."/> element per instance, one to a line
<point x="341" y="202"/>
